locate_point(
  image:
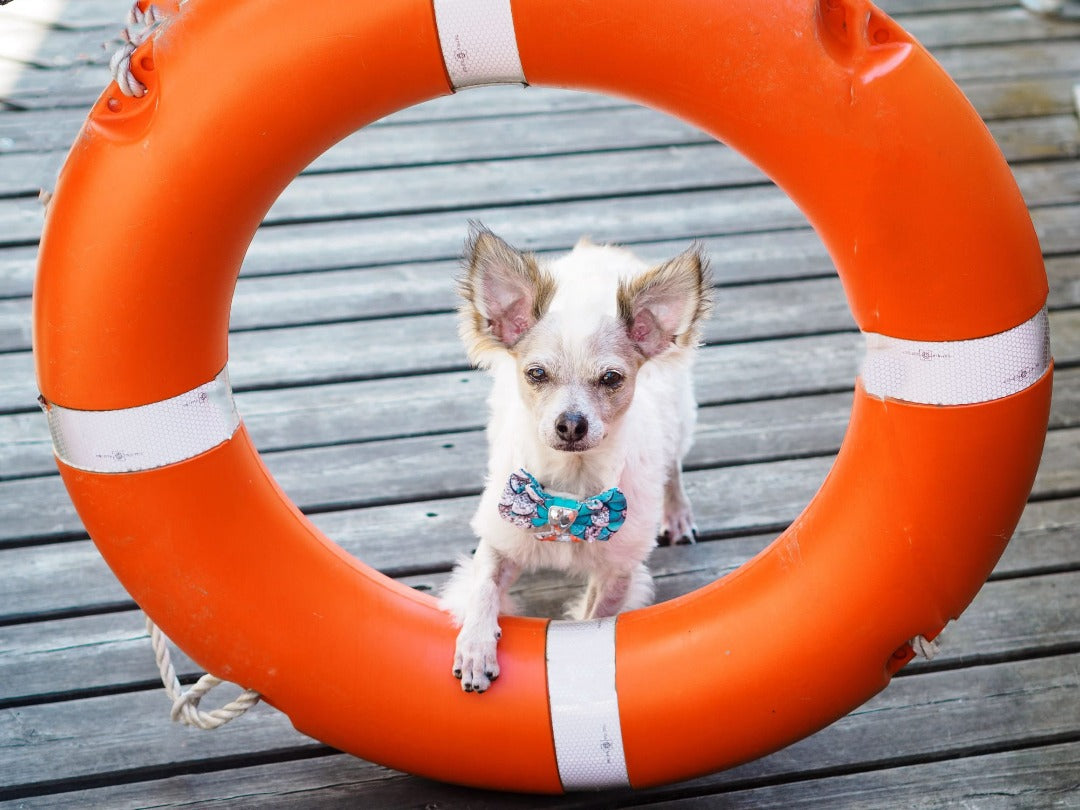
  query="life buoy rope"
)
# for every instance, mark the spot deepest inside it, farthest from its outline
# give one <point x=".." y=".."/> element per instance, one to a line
<point x="831" y="98"/>
<point x="142" y="23"/>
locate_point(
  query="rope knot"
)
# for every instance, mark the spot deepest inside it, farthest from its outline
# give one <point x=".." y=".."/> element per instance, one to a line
<point x="185" y="708"/>
<point x="141" y="25"/>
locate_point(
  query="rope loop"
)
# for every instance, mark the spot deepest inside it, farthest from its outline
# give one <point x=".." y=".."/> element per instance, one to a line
<point x="141" y="25"/>
<point x="925" y="648"/>
<point x="185" y="708"/>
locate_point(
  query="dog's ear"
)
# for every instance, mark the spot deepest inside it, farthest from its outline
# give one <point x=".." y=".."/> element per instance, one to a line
<point x="505" y="291"/>
<point x="666" y="305"/>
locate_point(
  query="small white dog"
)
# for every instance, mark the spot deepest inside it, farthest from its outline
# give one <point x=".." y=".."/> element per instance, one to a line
<point x="592" y="411"/>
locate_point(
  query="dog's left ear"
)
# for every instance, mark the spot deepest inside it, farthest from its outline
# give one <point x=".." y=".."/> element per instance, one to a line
<point x="665" y="306"/>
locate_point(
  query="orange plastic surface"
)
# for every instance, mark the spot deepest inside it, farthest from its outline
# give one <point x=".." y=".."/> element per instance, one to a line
<point x="215" y="553"/>
<point x="915" y="512"/>
<point x="851" y="117"/>
<point x="135" y="286"/>
<point x="150" y="222"/>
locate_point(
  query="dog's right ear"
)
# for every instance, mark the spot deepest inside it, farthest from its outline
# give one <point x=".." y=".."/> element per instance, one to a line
<point x="505" y="293"/>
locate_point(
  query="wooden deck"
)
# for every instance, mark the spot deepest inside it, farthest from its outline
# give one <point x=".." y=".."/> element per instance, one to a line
<point x="350" y="378"/>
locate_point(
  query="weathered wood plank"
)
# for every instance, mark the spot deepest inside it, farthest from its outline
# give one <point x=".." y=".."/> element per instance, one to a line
<point x="1012" y="780"/>
<point x="29" y="88"/>
<point x="395" y="407"/>
<point x="897" y="8"/>
<point x="43" y="90"/>
<point x="300" y="299"/>
<point x="1054" y="226"/>
<point x="48" y="660"/>
<point x="25" y="167"/>
<point x="65" y="578"/>
<point x="54" y="129"/>
<point x="446" y="467"/>
<point x="17" y="268"/>
<point x="391" y="240"/>
<point x="1013" y="61"/>
<point x="33" y="143"/>
<point x="745" y="431"/>
<point x="725" y="373"/>
<point x="80" y="45"/>
<point x="958" y="712"/>
<point x="335" y="295"/>
<point x="79" y="86"/>
<point x="128" y="733"/>
<point x="889" y="766"/>
<point x="750" y="498"/>
<point x="1021" y="98"/>
<point x="339" y="352"/>
<point x="701" y="164"/>
<point x="483" y="184"/>
<point x="750" y="312"/>
<point x="125" y="733"/>
<point x="76" y="45"/>
<point x="65" y="15"/>
<point x="725" y="211"/>
<point x="369" y="349"/>
<point x="49" y="48"/>
<point x="455" y="402"/>
<point x="1004" y="26"/>
<point x="402" y="286"/>
<point x="426" y="286"/>
<point x="103" y="13"/>
<point x="552" y="227"/>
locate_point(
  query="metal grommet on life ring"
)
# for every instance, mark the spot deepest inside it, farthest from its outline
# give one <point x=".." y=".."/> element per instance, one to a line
<point x="144" y="238"/>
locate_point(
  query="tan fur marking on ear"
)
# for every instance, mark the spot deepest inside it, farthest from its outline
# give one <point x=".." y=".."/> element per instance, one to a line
<point x="486" y="253"/>
<point x="685" y="278"/>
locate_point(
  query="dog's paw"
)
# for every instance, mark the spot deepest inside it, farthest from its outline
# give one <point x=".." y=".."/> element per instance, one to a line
<point x="476" y="662"/>
<point x="678" y="527"/>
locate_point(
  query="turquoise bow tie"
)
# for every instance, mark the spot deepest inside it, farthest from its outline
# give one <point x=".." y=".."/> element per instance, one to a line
<point x="525" y="504"/>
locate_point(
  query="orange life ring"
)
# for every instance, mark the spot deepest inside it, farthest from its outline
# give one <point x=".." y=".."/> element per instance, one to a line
<point x="143" y="242"/>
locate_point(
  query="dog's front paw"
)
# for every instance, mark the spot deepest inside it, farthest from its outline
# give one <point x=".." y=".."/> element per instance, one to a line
<point x="476" y="662"/>
<point x="678" y="523"/>
<point x="678" y="527"/>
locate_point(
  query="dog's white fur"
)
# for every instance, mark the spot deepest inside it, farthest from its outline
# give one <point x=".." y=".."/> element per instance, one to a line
<point x="595" y="311"/>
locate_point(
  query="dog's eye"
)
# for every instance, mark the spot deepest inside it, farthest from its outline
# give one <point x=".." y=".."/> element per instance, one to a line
<point x="611" y="379"/>
<point x="536" y="374"/>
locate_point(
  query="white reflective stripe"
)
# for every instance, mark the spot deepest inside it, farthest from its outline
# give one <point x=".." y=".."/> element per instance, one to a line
<point x="478" y="42"/>
<point x="148" y="436"/>
<point x="584" y="705"/>
<point x="957" y="372"/>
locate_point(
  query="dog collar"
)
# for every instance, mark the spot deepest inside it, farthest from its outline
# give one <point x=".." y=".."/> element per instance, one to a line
<point x="525" y="504"/>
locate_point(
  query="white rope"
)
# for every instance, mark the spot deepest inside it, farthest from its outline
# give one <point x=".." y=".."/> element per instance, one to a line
<point x="140" y="27"/>
<point x="925" y="648"/>
<point x="185" y="707"/>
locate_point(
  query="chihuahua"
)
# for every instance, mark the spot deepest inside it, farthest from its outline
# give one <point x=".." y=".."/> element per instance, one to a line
<point x="592" y="411"/>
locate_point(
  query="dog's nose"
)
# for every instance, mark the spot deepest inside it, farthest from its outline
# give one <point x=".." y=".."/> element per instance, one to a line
<point x="572" y="426"/>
